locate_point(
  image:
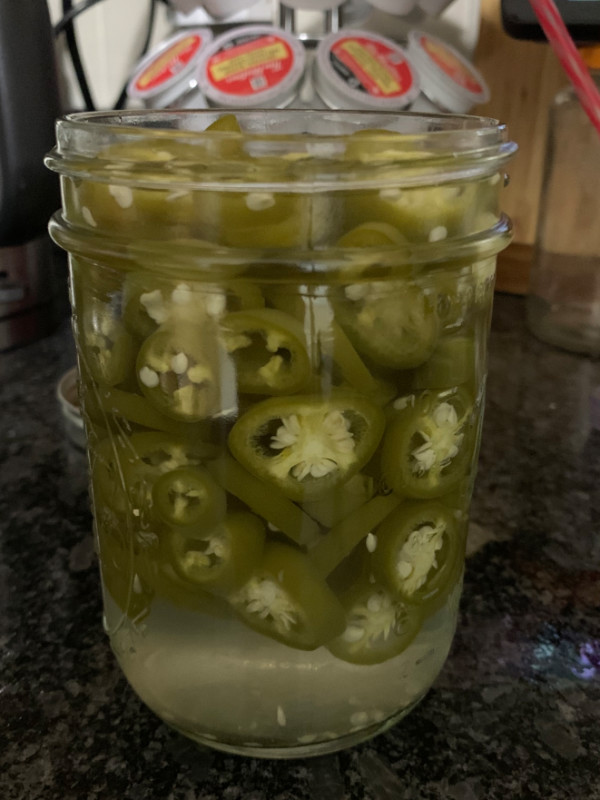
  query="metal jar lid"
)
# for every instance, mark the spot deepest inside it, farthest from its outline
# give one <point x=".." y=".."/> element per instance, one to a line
<point x="359" y="69"/>
<point x="447" y="78"/>
<point x="168" y="73"/>
<point x="253" y="66"/>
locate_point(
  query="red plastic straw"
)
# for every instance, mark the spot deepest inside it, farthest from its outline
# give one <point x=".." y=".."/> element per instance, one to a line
<point x="562" y="44"/>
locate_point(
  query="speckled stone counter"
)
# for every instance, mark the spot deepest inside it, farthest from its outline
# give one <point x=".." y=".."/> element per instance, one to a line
<point x="514" y="714"/>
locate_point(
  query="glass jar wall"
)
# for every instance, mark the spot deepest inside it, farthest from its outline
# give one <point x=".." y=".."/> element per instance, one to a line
<point x="281" y="322"/>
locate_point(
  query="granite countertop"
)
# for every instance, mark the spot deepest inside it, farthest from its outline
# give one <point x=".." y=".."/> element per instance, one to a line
<point x="514" y="714"/>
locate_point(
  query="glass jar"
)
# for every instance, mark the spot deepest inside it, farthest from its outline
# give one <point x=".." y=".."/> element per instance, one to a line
<point x="281" y="322"/>
<point x="563" y="305"/>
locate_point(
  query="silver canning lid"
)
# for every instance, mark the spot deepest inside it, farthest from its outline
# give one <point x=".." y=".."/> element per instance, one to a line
<point x="169" y="72"/>
<point x="448" y="79"/>
<point x="360" y="69"/>
<point x="254" y="66"/>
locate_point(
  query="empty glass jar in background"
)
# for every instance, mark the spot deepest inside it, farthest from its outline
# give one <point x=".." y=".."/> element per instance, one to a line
<point x="281" y="321"/>
<point x="564" y="292"/>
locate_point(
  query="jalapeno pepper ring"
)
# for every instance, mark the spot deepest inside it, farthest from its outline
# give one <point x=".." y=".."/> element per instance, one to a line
<point x="306" y="445"/>
<point x="269" y="350"/>
<point x="287" y="600"/>
<point x="418" y="548"/>
<point x="221" y="558"/>
<point x="428" y="447"/>
<point x="188" y="497"/>
<point x="379" y="626"/>
<point x="177" y="374"/>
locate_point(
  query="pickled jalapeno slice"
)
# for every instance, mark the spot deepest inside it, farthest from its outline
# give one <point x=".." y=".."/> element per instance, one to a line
<point x="254" y="218"/>
<point x="119" y="207"/>
<point x="379" y="625"/>
<point x="145" y="457"/>
<point x="226" y="122"/>
<point x="156" y="568"/>
<point x="188" y="496"/>
<point x="372" y="234"/>
<point x="453" y="362"/>
<point x="428" y="445"/>
<point x="269" y="350"/>
<point x="220" y="558"/>
<point x="340" y="502"/>
<point x="105" y="405"/>
<point x="161" y="452"/>
<point x="150" y="302"/>
<point x="288" y="601"/>
<point x="329" y="346"/>
<point x="336" y="346"/>
<point x="306" y="445"/>
<point x="422" y="214"/>
<point x="418" y="549"/>
<point x="396" y="325"/>
<point x="272" y="505"/>
<point x="177" y="374"/>
<point x="106" y="347"/>
<point x="116" y="206"/>
<point x="344" y="536"/>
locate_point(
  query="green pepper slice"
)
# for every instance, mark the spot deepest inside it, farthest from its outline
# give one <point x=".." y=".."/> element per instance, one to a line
<point x="333" y="349"/>
<point x="108" y="405"/>
<point x="341" y="540"/>
<point x="269" y="351"/>
<point x="288" y="601"/>
<point x="162" y="452"/>
<point x="155" y="564"/>
<point x="429" y="445"/>
<point x="254" y="219"/>
<point x="177" y="374"/>
<point x="336" y="345"/>
<point x="423" y="214"/>
<point x="379" y="626"/>
<point x="453" y="362"/>
<point x="118" y="207"/>
<point x="417" y="552"/>
<point x="330" y="508"/>
<point x="372" y="234"/>
<point x="306" y="445"/>
<point x="150" y="302"/>
<point x="125" y="468"/>
<point x="106" y="348"/>
<point x="220" y="559"/>
<point x="188" y="496"/>
<point x="273" y="506"/>
<point x="226" y="122"/>
<point x="396" y="325"/>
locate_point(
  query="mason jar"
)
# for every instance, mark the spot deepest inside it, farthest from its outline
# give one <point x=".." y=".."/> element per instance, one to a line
<point x="281" y="322"/>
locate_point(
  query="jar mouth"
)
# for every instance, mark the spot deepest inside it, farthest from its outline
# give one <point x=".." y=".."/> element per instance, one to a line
<point x="281" y="150"/>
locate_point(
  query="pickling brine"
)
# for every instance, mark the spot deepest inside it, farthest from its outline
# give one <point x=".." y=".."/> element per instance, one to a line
<point x="281" y="325"/>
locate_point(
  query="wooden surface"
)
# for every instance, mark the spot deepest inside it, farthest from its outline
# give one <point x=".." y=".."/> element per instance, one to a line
<point x="514" y="264"/>
<point x="523" y="78"/>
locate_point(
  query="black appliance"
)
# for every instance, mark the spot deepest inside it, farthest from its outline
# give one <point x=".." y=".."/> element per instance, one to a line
<point x="31" y="276"/>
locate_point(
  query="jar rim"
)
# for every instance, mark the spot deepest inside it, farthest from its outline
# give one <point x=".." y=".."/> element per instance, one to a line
<point x="402" y="148"/>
